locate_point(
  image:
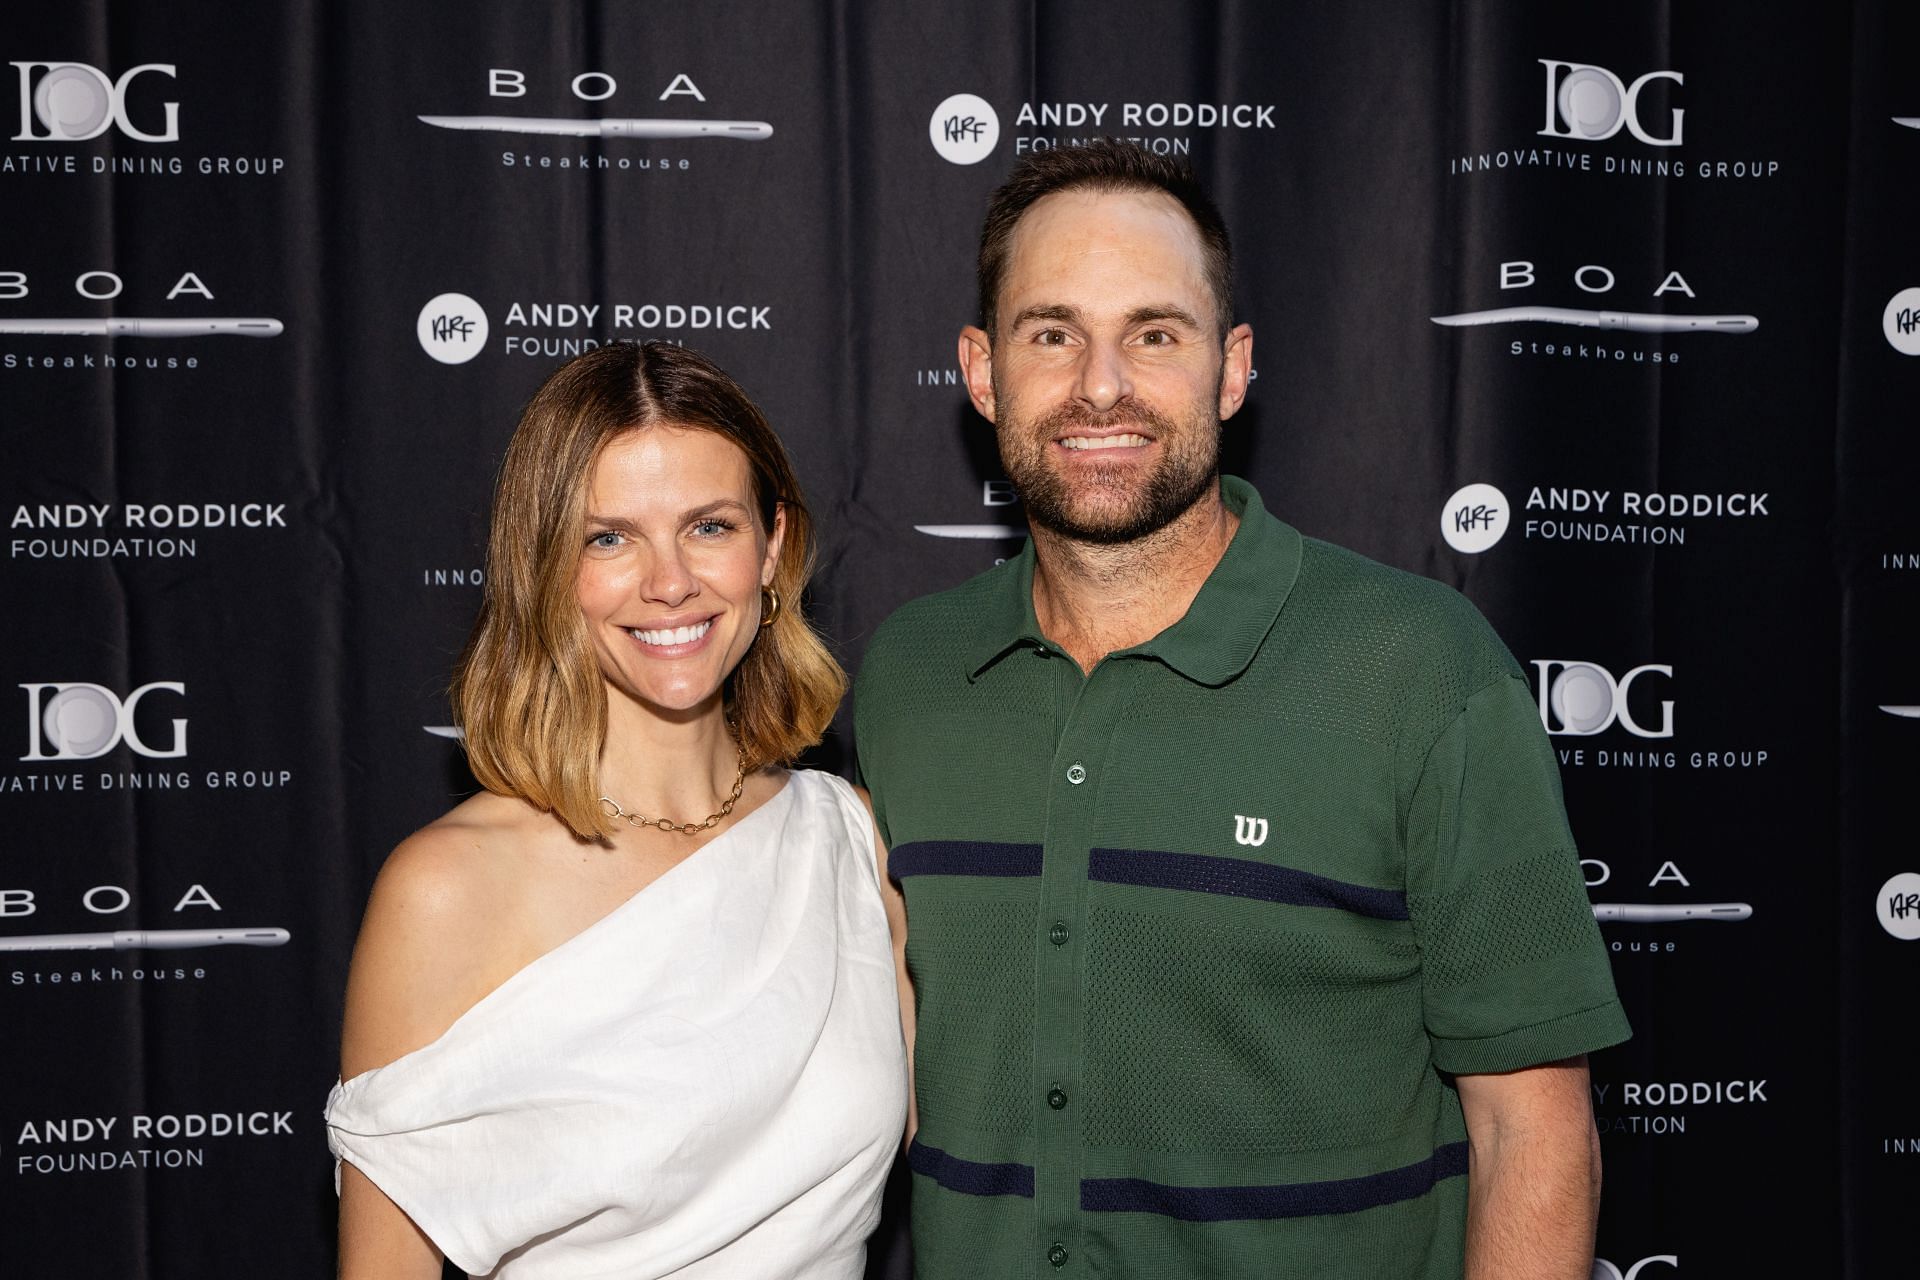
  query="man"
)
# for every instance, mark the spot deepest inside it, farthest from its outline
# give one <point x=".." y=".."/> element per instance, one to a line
<point x="1247" y="934"/>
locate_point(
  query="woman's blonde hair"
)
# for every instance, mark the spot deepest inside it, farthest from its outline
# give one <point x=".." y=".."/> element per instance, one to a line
<point x="528" y="692"/>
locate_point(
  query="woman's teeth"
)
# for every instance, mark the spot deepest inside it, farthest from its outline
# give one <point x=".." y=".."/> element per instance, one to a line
<point x="675" y="635"/>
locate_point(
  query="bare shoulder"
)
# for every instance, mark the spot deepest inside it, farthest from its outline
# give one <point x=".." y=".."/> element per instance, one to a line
<point x="430" y="945"/>
<point x="438" y="878"/>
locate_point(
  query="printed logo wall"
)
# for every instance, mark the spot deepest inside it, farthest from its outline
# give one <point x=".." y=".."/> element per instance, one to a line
<point x="1603" y="128"/>
<point x="242" y="517"/>
<point x="149" y="962"/>
<point x="1599" y="346"/>
<point x="61" y="104"/>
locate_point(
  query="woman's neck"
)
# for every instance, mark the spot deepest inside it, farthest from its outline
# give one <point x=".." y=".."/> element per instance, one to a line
<point x="677" y="767"/>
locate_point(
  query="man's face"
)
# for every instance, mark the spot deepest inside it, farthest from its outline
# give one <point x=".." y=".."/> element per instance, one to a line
<point x="1107" y="377"/>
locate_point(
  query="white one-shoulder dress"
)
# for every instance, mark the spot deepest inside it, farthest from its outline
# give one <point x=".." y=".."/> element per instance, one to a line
<point x="709" y="1081"/>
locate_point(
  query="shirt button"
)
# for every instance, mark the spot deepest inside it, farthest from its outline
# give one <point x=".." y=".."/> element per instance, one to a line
<point x="1076" y="773"/>
<point x="1057" y="1255"/>
<point x="1059" y="934"/>
<point x="1057" y="1098"/>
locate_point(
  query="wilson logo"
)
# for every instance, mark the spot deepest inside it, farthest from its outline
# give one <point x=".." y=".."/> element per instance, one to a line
<point x="1249" y="831"/>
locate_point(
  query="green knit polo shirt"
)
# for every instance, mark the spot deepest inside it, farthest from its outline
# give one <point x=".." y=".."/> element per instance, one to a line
<point x="1198" y="940"/>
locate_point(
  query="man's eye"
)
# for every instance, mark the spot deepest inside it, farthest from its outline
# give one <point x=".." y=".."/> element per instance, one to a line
<point x="1156" y="337"/>
<point x="1051" y="337"/>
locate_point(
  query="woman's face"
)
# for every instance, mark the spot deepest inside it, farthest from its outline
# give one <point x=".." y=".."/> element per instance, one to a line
<point x="674" y="560"/>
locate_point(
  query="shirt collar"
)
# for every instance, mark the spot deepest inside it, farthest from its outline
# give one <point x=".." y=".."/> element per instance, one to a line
<point x="1007" y="620"/>
<point x="1221" y="630"/>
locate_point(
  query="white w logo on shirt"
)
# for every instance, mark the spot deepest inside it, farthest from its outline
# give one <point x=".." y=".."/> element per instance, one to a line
<point x="1247" y="830"/>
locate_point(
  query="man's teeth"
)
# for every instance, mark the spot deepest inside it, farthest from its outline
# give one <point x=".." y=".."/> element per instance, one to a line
<point x="677" y="635"/>
<point x="1103" y="442"/>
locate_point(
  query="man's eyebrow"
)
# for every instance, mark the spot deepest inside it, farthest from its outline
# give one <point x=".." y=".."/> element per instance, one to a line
<point x="1052" y="311"/>
<point x="1161" y="311"/>
<point x="1064" y="314"/>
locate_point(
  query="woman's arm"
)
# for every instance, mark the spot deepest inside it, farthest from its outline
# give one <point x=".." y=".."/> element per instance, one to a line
<point x="411" y="977"/>
<point x="896" y="904"/>
<point x="376" y="1238"/>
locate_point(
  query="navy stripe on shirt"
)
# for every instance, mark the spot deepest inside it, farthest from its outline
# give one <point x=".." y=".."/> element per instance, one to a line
<point x="970" y="1176"/>
<point x="1240" y="878"/>
<point x="1288" y="1200"/>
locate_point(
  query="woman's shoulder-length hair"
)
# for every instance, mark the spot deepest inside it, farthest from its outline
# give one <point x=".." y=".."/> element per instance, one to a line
<point x="528" y="694"/>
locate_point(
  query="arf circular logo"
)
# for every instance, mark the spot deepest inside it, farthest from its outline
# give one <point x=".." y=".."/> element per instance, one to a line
<point x="452" y="328"/>
<point x="964" y="129"/>
<point x="1899" y="906"/>
<point x="1901" y="320"/>
<point x="1475" y="518"/>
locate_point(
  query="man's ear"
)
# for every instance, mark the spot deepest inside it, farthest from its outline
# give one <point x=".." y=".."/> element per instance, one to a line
<point x="1236" y="370"/>
<point x="976" y="365"/>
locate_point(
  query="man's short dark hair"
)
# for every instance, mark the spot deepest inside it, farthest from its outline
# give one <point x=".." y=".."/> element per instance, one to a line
<point x="1102" y="164"/>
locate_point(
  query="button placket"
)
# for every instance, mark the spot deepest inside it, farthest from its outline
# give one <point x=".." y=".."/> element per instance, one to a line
<point x="1086" y="708"/>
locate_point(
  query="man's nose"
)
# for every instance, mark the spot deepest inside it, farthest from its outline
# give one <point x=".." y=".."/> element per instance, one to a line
<point x="1104" y="377"/>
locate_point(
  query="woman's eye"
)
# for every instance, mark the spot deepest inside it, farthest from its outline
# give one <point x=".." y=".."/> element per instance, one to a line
<point x="606" y="540"/>
<point x="711" y="528"/>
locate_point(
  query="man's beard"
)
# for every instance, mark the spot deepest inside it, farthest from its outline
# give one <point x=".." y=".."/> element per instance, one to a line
<point x="1188" y="467"/>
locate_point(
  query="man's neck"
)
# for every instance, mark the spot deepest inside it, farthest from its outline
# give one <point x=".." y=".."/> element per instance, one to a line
<point x="1092" y="599"/>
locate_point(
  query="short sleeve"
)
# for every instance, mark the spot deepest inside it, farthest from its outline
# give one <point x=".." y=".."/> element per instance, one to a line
<point x="1514" y="972"/>
<point x="415" y="1173"/>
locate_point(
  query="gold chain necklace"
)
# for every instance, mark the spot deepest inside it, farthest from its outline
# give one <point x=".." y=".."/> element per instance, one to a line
<point x="614" y="811"/>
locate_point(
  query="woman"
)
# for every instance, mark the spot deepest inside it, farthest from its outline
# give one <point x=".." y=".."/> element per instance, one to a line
<point x="633" y="1009"/>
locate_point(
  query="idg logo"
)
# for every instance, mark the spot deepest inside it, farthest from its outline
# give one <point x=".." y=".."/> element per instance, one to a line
<point x="1580" y="699"/>
<point x="1591" y="104"/>
<point x="1604" y="1270"/>
<point x="82" y="721"/>
<point x="73" y="102"/>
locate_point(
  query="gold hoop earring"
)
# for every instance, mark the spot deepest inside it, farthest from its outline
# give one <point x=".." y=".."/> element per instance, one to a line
<point x="769" y="606"/>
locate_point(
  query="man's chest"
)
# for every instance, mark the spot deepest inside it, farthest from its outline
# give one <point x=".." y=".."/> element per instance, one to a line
<point x="1137" y="776"/>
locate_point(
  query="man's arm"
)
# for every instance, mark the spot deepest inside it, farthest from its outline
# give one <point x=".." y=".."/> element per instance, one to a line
<point x="1533" y="1173"/>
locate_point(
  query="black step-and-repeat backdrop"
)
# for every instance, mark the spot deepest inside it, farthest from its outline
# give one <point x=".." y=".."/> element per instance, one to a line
<point x="1608" y="315"/>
